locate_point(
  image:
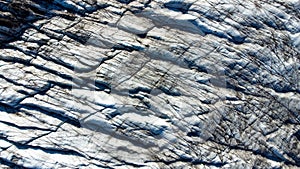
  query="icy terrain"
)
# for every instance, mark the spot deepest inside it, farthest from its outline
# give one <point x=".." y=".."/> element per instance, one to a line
<point x="150" y="84"/>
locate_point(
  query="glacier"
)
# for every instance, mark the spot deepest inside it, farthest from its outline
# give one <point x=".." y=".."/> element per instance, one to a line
<point x="149" y="84"/>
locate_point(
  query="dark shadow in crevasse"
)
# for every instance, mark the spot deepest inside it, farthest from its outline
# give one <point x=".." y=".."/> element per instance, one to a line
<point x="178" y="5"/>
<point x="18" y="15"/>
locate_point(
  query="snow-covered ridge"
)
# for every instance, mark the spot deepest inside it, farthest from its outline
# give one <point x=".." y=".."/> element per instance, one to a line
<point x="149" y="84"/>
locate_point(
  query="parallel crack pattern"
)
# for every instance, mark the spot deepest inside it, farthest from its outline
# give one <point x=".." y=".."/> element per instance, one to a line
<point x="149" y="84"/>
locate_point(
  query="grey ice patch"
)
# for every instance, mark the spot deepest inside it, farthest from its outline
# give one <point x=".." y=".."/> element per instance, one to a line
<point x="134" y="24"/>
